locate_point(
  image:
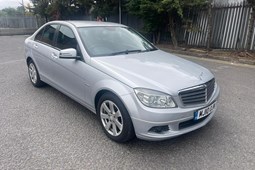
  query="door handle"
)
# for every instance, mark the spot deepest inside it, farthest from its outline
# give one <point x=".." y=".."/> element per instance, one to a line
<point x="35" y="46"/>
<point x="54" y="56"/>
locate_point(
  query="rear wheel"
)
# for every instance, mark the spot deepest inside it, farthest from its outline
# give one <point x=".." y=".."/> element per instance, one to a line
<point x="115" y="119"/>
<point x="34" y="75"/>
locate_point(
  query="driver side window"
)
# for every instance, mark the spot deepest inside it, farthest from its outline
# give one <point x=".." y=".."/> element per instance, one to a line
<point x="66" y="38"/>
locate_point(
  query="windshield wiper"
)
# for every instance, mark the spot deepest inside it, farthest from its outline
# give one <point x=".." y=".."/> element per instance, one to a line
<point x="126" y="52"/>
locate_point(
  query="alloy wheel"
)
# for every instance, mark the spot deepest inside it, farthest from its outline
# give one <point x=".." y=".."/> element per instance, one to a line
<point x="111" y="118"/>
<point x="32" y="73"/>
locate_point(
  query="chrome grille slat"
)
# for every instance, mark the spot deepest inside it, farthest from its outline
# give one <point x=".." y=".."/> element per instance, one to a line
<point x="194" y="93"/>
<point x="197" y="95"/>
<point x="194" y="96"/>
<point x="195" y="100"/>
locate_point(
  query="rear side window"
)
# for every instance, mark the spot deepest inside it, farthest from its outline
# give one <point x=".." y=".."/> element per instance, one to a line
<point x="66" y="38"/>
<point x="48" y="34"/>
<point x="39" y="35"/>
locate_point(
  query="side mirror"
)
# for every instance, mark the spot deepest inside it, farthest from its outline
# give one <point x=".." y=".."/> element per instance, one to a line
<point x="69" y="53"/>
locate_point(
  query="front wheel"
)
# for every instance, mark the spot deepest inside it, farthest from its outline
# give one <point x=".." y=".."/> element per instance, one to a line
<point x="34" y="75"/>
<point x="115" y="119"/>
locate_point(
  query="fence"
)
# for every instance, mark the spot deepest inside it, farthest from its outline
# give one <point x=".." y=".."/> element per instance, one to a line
<point x="19" y="25"/>
<point x="29" y="22"/>
<point x="229" y="27"/>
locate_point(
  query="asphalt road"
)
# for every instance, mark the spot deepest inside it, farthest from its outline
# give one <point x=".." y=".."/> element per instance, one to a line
<point x="44" y="129"/>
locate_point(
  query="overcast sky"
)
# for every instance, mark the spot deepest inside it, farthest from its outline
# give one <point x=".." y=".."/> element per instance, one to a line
<point x="12" y="3"/>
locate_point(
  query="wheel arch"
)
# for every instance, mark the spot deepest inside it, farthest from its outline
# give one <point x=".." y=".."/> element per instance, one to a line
<point x="98" y="95"/>
<point x="109" y="86"/>
<point x="101" y="93"/>
<point x="29" y="59"/>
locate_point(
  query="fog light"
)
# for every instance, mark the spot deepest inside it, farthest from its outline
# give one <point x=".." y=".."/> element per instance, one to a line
<point x="159" y="129"/>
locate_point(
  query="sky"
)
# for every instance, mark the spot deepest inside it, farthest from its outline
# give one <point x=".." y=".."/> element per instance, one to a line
<point x="12" y="3"/>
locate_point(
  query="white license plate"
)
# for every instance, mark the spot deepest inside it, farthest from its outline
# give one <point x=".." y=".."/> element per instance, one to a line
<point x="205" y="111"/>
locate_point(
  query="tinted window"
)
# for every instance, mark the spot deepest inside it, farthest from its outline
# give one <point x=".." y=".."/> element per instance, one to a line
<point x="48" y="34"/>
<point x="66" y="38"/>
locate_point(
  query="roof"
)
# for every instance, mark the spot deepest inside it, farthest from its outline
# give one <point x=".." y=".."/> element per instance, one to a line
<point x="92" y="23"/>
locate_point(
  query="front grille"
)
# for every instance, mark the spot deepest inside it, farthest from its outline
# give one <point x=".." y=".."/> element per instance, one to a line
<point x="210" y="88"/>
<point x="197" y="95"/>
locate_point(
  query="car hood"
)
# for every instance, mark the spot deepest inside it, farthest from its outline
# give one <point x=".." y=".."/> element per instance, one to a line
<point x="156" y="70"/>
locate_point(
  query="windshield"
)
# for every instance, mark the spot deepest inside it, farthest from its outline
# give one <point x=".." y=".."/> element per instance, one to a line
<point x="108" y="41"/>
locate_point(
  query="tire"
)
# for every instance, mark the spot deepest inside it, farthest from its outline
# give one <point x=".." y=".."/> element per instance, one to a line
<point x="34" y="75"/>
<point x="114" y="118"/>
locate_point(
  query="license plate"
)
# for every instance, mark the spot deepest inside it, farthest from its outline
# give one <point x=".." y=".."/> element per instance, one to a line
<point x="205" y="111"/>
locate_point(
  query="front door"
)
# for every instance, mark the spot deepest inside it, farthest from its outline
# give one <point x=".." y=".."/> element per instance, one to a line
<point x="70" y="75"/>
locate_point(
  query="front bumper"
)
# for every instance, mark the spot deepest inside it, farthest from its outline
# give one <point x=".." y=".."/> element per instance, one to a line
<point x="144" y="118"/>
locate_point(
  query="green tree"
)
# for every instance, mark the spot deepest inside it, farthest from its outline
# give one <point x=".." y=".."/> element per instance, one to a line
<point x="11" y="12"/>
<point x="58" y="10"/>
<point x="105" y="8"/>
<point x="40" y="8"/>
<point x="85" y="6"/>
<point x="153" y="18"/>
<point x="156" y="13"/>
<point x="61" y="9"/>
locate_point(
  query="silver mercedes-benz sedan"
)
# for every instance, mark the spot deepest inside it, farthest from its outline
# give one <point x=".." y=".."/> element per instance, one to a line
<point x="134" y="88"/>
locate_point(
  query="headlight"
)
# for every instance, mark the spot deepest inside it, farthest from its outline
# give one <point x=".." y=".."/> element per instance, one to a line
<point x="154" y="99"/>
